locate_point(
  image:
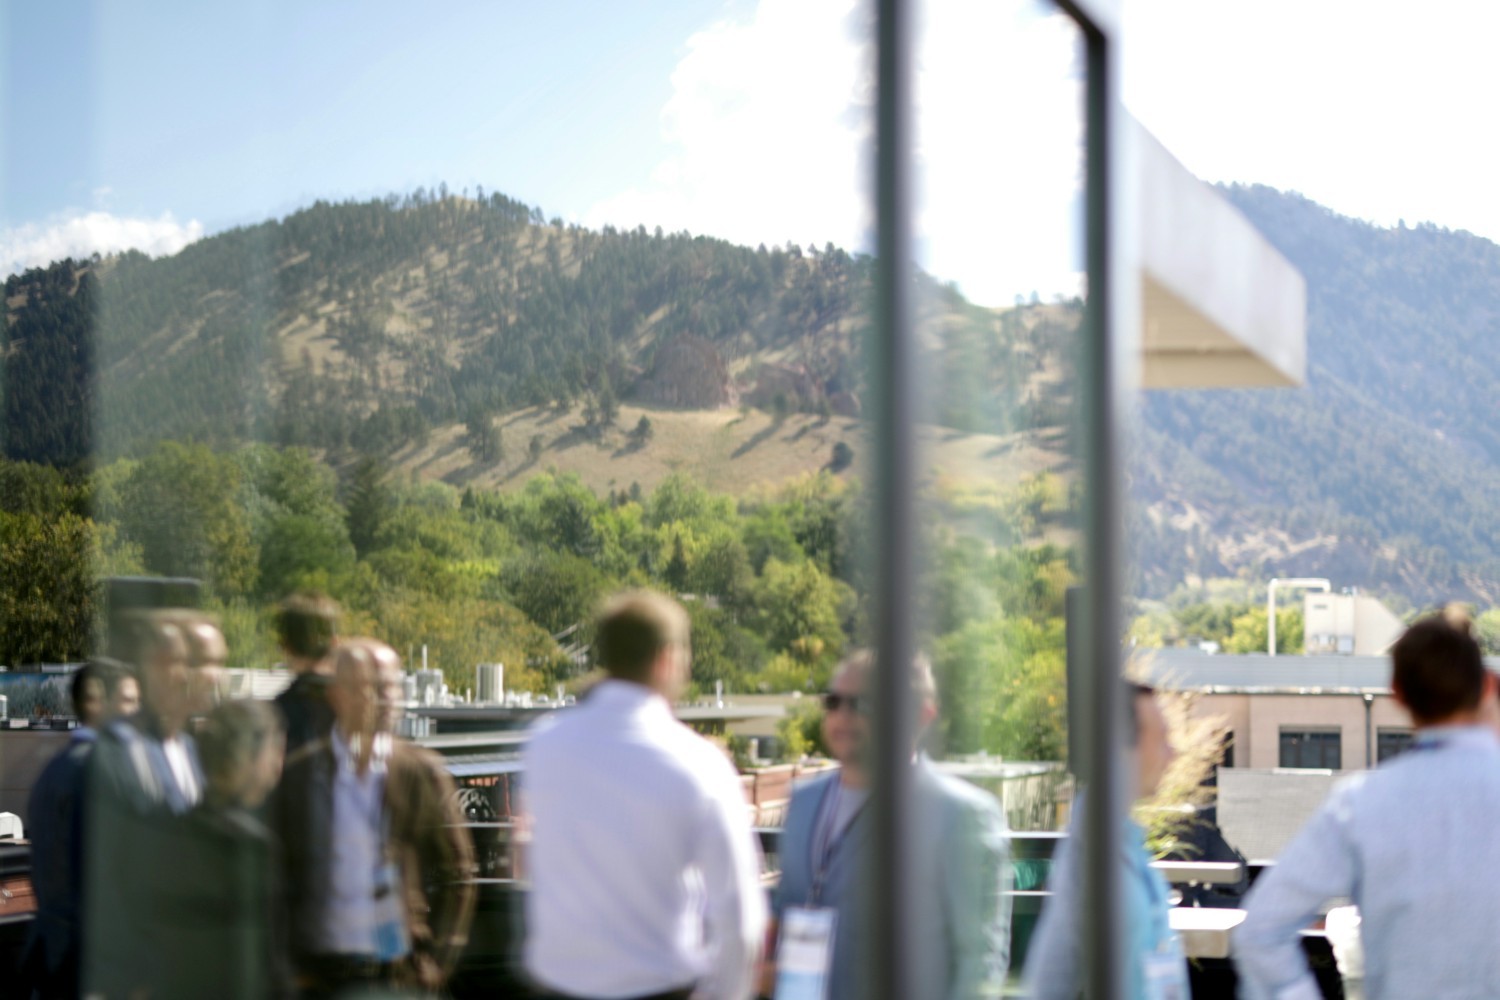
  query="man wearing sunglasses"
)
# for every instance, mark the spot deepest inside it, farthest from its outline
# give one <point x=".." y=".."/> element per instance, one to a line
<point x="960" y="916"/>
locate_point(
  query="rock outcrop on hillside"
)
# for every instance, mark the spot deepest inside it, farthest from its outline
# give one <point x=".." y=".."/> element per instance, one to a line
<point x="687" y="372"/>
<point x="801" y="389"/>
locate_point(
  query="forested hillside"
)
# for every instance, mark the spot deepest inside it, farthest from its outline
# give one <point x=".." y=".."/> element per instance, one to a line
<point x="269" y="408"/>
<point x="360" y="327"/>
<point x="1384" y="471"/>
<point x="469" y="339"/>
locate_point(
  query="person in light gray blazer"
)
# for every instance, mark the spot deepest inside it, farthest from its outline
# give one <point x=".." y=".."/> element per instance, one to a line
<point x="960" y="914"/>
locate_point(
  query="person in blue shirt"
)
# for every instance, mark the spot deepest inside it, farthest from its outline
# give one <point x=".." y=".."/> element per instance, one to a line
<point x="101" y="690"/>
<point x="1155" y="968"/>
<point x="960" y="916"/>
<point x="1412" y="843"/>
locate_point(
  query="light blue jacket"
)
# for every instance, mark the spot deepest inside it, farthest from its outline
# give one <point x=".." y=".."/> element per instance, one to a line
<point x="1054" y="962"/>
<point x="960" y="916"/>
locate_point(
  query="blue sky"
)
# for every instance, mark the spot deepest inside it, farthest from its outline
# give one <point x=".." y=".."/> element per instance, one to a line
<point x="149" y="124"/>
<point x="226" y="113"/>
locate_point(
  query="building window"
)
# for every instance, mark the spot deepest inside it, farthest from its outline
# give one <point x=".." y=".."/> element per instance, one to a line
<point x="1311" y="748"/>
<point x="1390" y="742"/>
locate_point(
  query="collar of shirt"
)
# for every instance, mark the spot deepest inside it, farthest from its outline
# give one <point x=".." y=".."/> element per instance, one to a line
<point x="627" y="698"/>
<point x="84" y="734"/>
<point x="343" y="753"/>
<point x="1468" y="736"/>
<point x="181" y="766"/>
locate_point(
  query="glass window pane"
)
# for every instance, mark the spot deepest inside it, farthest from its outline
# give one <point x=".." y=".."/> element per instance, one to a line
<point x="1311" y="748"/>
<point x="467" y="319"/>
<point x="1391" y="742"/>
<point x="1000" y="299"/>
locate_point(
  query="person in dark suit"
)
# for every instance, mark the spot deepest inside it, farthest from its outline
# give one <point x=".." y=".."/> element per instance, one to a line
<point x="378" y="867"/>
<point x="217" y="900"/>
<point x="307" y="627"/>
<point x="143" y="772"/>
<point x="101" y="690"/>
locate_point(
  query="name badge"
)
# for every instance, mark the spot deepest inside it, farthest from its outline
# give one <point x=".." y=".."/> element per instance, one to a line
<point x="804" y="953"/>
<point x="390" y="921"/>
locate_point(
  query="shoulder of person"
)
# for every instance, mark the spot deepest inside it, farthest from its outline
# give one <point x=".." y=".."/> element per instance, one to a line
<point x="113" y="748"/>
<point x="208" y="823"/>
<point x="412" y="756"/>
<point x="692" y="750"/>
<point x="961" y="794"/>
<point x="78" y="752"/>
<point x="242" y="825"/>
<point x="549" y="726"/>
<point x="811" y="789"/>
<point x="122" y="731"/>
<point x="308" y="753"/>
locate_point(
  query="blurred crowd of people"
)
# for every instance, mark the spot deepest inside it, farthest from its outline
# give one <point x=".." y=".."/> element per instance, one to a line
<point x="186" y="844"/>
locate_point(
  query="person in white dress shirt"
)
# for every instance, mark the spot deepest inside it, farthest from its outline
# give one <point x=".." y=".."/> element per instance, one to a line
<point x="644" y="870"/>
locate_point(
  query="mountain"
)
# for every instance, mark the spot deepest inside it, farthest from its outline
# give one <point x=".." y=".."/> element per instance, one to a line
<point x="470" y="339"/>
<point x="366" y="325"/>
<point x="1384" y="470"/>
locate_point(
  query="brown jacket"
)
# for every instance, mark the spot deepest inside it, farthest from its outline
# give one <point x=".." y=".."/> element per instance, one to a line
<point x="427" y="840"/>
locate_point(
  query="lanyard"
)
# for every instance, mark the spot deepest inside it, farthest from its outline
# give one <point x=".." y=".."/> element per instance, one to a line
<point x="826" y="840"/>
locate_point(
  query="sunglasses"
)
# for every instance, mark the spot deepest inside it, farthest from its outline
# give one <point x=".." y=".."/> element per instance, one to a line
<point x="833" y="701"/>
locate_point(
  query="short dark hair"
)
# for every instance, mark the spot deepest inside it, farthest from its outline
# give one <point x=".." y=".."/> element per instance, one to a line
<point x="106" y="672"/>
<point x="1437" y="669"/>
<point x="307" y="624"/>
<point x="633" y="629"/>
<point x="233" y="734"/>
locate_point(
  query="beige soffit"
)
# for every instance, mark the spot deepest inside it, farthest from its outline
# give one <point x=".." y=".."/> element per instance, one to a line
<point x="1220" y="306"/>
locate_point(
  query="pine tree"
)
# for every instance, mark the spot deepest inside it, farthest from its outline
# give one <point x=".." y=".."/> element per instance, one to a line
<point x="368" y="505"/>
<point x="676" y="573"/>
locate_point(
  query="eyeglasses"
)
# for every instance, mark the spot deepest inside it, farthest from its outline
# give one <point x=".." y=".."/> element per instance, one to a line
<point x="833" y="701"/>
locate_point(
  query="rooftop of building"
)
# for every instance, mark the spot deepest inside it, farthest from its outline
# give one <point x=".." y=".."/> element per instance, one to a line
<point x="1257" y="673"/>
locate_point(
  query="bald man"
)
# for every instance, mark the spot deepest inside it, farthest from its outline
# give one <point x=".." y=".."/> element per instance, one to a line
<point x="388" y="907"/>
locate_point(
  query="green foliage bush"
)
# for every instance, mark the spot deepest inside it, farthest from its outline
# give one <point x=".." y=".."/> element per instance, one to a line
<point x="768" y="580"/>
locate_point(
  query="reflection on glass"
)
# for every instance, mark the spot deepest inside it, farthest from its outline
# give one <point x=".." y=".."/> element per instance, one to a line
<point x="1002" y="484"/>
<point x="1000" y="126"/>
<point x="461" y="418"/>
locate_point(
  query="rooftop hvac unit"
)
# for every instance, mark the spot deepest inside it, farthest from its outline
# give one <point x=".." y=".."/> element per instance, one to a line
<point x="430" y="687"/>
<point x="490" y="683"/>
<point x="415" y="727"/>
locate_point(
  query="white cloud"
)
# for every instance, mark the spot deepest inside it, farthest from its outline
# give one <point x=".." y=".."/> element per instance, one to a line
<point x="770" y="138"/>
<point x="1000" y="134"/>
<point x="1370" y="109"/>
<point x="81" y="234"/>
<point x="765" y="132"/>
